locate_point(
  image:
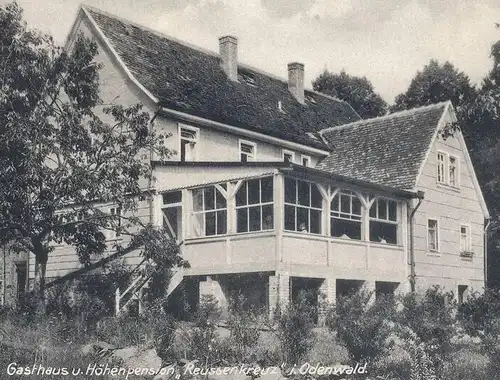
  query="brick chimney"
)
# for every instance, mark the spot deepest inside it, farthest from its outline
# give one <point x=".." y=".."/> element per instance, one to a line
<point x="228" y="49"/>
<point x="296" y="80"/>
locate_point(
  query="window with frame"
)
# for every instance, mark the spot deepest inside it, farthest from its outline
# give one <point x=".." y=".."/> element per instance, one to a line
<point x="465" y="238"/>
<point x="453" y="171"/>
<point x="306" y="160"/>
<point x="303" y="206"/>
<point x="441" y="173"/>
<point x="254" y="205"/>
<point x="346" y="218"/>
<point x="172" y="213"/>
<point x="188" y="139"/>
<point x="288" y="156"/>
<point x="116" y="222"/>
<point x="209" y="215"/>
<point x="433" y="235"/>
<point x="247" y="151"/>
<point x="384" y="221"/>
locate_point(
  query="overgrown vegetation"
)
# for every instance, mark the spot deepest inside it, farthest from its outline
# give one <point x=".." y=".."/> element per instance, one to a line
<point x="415" y="336"/>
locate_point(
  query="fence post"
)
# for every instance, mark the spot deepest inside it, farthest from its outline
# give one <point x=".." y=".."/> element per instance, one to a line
<point x="117" y="301"/>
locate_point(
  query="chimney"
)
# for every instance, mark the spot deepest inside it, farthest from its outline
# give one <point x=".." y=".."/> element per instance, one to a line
<point x="228" y="49"/>
<point x="296" y="80"/>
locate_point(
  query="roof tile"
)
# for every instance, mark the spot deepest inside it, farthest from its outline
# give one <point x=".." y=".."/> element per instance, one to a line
<point x="190" y="80"/>
<point x="386" y="150"/>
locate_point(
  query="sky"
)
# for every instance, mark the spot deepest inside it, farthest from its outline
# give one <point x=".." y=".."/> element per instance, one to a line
<point x="387" y="41"/>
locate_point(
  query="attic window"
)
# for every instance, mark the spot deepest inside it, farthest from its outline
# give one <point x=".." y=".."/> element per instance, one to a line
<point x="247" y="151"/>
<point x="248" y="78"/>
<point x="188" y="137"/>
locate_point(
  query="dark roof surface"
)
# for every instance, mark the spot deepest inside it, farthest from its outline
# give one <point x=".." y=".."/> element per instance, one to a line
<point x="190" y="80"/>
<point x="387" y="150"/>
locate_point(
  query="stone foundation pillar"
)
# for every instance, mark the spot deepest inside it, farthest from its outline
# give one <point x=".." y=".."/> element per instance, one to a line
<point x="212" y="287"/>
<point x="326" y="298"/>
<point x="279" y="292"/>
<point x="369" y="286"/>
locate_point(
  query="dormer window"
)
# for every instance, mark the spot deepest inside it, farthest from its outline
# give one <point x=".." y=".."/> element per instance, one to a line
<point x="305" y="160"/>
<point x="247" y="151"/>
<point x="288" y="156"/>
<point x="188" y="137"/>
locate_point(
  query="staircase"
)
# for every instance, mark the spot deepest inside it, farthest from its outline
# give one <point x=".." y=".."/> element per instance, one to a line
<point x="134" y="292"/>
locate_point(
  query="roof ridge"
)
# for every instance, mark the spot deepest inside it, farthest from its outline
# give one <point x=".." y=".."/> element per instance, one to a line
<point x="203" y="50"/>
<point x="386" y="116"/>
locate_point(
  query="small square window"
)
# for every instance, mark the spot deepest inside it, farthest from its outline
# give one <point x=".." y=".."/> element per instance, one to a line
<point x="288" y="156"/>
<point x="188" y="137"/>
<point x="247" y="151"/>
<point x="306" y="160"/>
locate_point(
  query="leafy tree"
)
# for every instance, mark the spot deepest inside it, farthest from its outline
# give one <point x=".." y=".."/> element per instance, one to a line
<point x="436" y="83"/>
<point x="63" y="153"/>
<point x="482" y="127"/>
<point x="357" y="91"/>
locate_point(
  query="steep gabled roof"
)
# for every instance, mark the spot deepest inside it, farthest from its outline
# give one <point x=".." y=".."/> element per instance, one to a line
<point x="387" y="150"/>
<point x="190" y="80"/>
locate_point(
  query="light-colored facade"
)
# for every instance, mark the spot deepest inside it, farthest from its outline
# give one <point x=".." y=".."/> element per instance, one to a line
<point x="253" y="208"/>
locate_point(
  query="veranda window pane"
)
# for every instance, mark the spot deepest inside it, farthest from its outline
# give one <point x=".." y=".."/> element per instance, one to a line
<point x="383" y="232"/>
<point x="290" y="190"/>
<point x="220" y="200"/>
<point x="382" y="209"/>
<point x="210" y="223"/>
<point x="289" y="218"/>
<point x="242" y="220"/>
<point x="209" y="198"/>
<point x="172" y="197"/>
<point x="315" y="222"/>
<point x="197" y="223"/>
<point x="336" y="203"/>
<point x="267" y="189"/>
<point x="345" y="229"/>
<point x="302" y="219"/>
<point x="221" y="222"/>
<point x="198" y="200"/>
<point x="241" y="195"/>
<point x="345" y="203"/>
<point x="304" y="193"/>
<point x="267" y="217"/>
<point x="373" y="210"/>
<point x="393" y="213"/>
<point x="316" y="198"/>
<point x="255" y="218"/>
<point x="253" y="191"/>
<point x="356" y="206"/>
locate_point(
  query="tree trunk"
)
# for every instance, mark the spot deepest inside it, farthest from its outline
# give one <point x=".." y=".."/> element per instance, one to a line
<point x="41" y="258"/>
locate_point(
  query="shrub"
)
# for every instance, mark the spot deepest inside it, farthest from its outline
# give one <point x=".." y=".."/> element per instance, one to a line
<point x="478" y="311"/>
<point x="244" y="331"/>
<point x="204" y="343"/>
<point x="91" y="297"/>
<point x="293" y="326"/>
<point x="327" y="349"/>
<point x="362" y="325"/>
<point x="467" y="364"/>
<point x="432" y="319"/>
